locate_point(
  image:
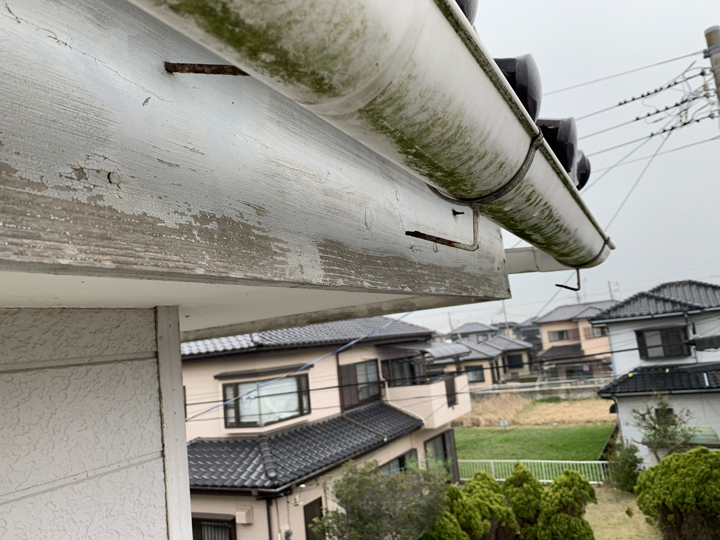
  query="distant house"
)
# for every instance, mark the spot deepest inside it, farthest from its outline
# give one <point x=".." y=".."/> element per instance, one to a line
<point x="665" y="342"/>
<point x="255" y="461"/>
<point x="507" y="329"/>
<point x="572" y="347"/>
<point x="499" y="359"/>
<point x="529" y="332"/>
<point x="473" y="332"/>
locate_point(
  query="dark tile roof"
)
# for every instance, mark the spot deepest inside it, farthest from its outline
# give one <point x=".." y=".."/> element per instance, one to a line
<point x="277" y="460"/>
<point x="303" y="336"/>
<point x="664" y="299"/>
<point x="490" y="349"/>
<point x="561" y="351"/>
<point x="671" y="379"/>
<point x="473" y="328"/>
<point x="571" y="312"/>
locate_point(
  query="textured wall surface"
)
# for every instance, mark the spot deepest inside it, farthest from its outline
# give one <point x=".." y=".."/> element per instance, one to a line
<point x="80" y="421"/>
<point x="48" y="336"/>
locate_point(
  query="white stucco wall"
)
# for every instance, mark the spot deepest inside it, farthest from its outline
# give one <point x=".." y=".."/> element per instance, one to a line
<point x="82" y="426"/>
<point x="705" y="410"/>
<point x="622" y="337"/>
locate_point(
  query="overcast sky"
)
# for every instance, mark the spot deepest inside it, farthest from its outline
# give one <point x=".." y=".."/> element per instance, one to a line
<point x="669" y="229"/>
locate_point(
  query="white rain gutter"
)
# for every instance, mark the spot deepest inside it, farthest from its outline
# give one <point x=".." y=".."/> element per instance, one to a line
<point x="529" y="259"/>
<point x="410" y="80"/>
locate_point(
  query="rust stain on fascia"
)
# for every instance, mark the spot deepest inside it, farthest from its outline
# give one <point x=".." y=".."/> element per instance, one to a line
<point x="205" y="69"/>
<point x="431" y="238"/>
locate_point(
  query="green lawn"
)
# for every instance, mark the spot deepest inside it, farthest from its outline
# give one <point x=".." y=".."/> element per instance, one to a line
<point x="576" y="443"/>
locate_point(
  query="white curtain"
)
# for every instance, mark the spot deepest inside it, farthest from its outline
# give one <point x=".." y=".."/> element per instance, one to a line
<point x="279" y="400"/>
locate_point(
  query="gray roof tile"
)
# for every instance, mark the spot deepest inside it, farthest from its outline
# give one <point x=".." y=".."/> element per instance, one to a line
<point x="571" y="312"/>
<point x="473" y="328"/>
<point x="663" y="379"/>
<point x="294" y="453"/>
<point x="667" y="298"/>
<point x="492" y="348"/>
<point x="314" y="334"/>
<point x="562" y="351"/>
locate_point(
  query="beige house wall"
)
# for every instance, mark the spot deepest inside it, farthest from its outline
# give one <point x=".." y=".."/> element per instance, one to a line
<point x="592" y="345"/>
<point x="488" y="373"/>
<point x="428" y="401"/>
<point x="203" y="391"/>
<point x="545" y="329"/>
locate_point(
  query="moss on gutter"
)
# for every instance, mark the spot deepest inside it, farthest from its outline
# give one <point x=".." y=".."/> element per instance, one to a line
<point x="283" y="49"/>
<point x="433" y="137"/>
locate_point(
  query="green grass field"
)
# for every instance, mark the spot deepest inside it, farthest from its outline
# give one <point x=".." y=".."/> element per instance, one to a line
<point x="575" y="443"/>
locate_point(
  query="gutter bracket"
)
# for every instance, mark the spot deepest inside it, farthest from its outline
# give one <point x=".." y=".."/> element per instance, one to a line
<point x="576" y="288"/>
<point x="476" y="204"/>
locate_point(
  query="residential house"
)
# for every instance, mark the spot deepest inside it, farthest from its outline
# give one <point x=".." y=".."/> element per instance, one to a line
<point x="666" y="342"/>
<point x="507" y="329"/>
<point x="572" y="347"/>
<point x="496" y="360"/>
<point x="257" y="462"/>
<point x="473" y="332"/>
<point x="529" y="332"/>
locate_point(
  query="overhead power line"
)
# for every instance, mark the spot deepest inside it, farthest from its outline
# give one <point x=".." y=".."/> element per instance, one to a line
<point x="661" y="132"/>
<point x="644" y="95"/>
<point x="622" y="73"/>
<point x="660" y="153"/>
<point x="647" y="165"/>
<point x="680" y="103"/>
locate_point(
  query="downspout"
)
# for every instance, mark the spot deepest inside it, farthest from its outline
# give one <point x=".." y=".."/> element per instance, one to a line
<point x="269" y="517"/>
<point x="411" y="80"/>
<point x="688" y="330"/>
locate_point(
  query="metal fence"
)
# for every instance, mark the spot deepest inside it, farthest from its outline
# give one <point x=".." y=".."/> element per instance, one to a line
<point x="545" y="471"/>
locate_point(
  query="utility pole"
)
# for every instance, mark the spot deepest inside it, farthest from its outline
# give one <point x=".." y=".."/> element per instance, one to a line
<point x="712" y="37"/>
<point x="610" y="289"/>
<point x="507" y="330"/>
<point x="450" y="323"/>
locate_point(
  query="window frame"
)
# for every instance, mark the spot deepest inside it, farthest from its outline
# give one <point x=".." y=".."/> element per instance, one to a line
<point x="475" y="369"/>
<point x="304" y="405"/>
<point x="309" y="534"/>
<point x="225" y="520"/>
<point x="414" y="367"/>
<point x="404" y="460"/>
<point x="558" y="333"/>
<point x="665" y="346"/>
<point x="450" y="451"/>
<point x="350" y="387"/>
<point x="510" y="365"/>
